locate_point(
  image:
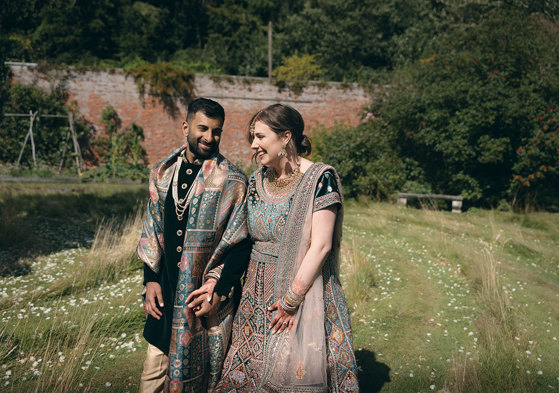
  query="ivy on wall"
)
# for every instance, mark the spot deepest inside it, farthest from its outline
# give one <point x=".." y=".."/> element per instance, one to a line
<point x="165" y="81"/>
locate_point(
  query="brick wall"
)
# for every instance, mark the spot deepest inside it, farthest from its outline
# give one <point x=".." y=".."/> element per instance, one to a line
<point x="241" y="97"/>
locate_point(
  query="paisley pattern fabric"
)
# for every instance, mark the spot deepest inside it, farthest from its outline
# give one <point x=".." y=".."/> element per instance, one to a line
<point x="217" y="220"/>
<point x="259" y="361"/>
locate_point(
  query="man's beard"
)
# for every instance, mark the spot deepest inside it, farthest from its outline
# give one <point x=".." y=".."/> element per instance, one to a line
<point x="199" y="153"/>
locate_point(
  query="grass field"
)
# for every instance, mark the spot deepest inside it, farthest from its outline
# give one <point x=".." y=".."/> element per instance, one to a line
<point x="440" y="302"/>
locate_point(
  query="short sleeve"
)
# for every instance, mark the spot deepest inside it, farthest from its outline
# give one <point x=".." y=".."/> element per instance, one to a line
<point x="327" y="192"/>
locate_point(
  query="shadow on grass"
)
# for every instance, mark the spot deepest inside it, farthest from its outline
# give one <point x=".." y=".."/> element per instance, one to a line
<point x="372" y="373"/>
<point x="38" y="220"/>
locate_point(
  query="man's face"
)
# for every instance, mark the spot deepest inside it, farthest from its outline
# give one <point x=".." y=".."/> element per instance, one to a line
<point x="202" y="134"/>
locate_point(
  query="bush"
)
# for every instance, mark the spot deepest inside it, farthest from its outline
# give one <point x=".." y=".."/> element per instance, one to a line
<point x="120" y="150"/>
<point x="295" y="71"/>
<point x="364" y="157"/>
<point x="536" y="172"/>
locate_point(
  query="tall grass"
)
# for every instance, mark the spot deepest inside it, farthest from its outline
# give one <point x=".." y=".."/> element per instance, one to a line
<point x="64" y="346"/>
<point x="358" y="274"/>
<point x="112" y="255"/>
<point x="496" y="369"/>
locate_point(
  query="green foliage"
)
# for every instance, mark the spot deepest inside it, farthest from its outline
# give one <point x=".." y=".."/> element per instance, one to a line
<point x="364" y="157"/>
<point x="196" y="60"/>
<point x="165" y="81"/>
<point x="536" y="172"/>
<point x="49" y="134"/>
<point x="296" y="70"/>
<point x="4" y="76"/>
<point x="461" y="115"/>
<point x="120" y="151"/>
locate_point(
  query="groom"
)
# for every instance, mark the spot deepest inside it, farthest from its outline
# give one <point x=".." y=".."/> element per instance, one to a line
<point x="195" y="224"/>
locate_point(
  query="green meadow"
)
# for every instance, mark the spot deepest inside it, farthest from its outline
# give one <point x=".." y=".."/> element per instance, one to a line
<point x="440" y="302"/>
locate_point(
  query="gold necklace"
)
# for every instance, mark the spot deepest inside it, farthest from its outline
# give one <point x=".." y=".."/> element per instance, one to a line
<point x="180" y="203"/>
<point x="281" y="186"/>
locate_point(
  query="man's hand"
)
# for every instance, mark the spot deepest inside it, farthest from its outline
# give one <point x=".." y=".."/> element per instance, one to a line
<point x="153" y="295"/>
<point x="203" y="300"/>
<point x="203" y="308"/>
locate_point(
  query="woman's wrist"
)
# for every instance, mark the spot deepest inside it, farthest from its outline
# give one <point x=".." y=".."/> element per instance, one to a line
<point x="291" y="301"/>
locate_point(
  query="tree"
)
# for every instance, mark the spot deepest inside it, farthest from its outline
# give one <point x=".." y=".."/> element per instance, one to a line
<point x="461" y="114"/>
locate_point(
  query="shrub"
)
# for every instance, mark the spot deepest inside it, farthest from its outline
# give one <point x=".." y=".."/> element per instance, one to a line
<point x="536" y="172"/>
<point x="120" y="150"/>
<point x="296" y="70"/>
<point x="364" y="157"/>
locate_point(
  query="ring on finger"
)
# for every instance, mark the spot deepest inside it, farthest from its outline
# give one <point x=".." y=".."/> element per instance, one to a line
<point x="285" y="323"/>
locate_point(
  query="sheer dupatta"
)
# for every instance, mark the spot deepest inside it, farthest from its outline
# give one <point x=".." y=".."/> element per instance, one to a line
<point x="302" y="360"/>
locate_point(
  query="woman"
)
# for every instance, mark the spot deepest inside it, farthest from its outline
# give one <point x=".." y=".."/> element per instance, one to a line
<point x="292" y="330"/>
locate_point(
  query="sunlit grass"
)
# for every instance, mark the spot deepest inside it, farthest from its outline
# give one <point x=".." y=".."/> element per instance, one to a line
<point x="61" y="330"/>
<point x="462" y="302"/>
<point x="439" y="302"/>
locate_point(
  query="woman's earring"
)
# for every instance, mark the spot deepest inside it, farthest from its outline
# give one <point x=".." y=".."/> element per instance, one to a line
<point x="282" y="152"/>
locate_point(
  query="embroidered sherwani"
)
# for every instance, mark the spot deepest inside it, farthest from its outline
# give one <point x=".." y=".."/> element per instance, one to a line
<point x="216" y="222"/>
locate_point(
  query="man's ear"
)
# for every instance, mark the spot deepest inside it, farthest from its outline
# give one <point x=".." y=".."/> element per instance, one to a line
<point x="185" y="128"/>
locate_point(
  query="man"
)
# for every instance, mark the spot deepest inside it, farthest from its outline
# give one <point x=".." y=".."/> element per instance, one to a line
<point x="195" y="225"/>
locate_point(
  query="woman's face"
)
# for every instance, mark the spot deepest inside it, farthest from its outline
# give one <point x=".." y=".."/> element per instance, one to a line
<point x="267" y="144"/>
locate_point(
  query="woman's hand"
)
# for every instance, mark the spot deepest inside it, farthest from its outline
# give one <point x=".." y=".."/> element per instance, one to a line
<point x="282" y="320"/>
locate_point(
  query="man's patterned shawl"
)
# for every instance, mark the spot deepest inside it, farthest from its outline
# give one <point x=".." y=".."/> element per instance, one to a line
<point x="216" y="221"/>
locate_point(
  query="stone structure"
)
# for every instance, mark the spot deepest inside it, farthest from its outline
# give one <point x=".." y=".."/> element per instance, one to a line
<point x="319" y="103"/>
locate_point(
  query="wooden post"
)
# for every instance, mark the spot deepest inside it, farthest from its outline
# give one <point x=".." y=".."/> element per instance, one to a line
<point x="29" y="135"/>
<point x="403" y="201"/>
<point x="64" y="151"/>
<point x="75" y="140"/>
<point x="270" y="52"/>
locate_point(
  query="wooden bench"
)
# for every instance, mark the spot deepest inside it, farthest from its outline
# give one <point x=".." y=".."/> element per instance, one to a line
<point x="456" y="199"/>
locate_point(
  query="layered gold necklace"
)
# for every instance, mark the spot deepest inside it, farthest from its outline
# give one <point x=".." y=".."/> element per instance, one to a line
<point x="180" y="203"/>
<point x="277" y="186"/>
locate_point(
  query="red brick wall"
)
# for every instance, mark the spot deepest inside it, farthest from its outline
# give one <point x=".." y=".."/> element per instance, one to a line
<point x="241" y="97"/>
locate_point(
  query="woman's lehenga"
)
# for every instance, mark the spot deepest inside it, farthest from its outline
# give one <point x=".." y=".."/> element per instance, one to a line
<point x="317" y="354"/>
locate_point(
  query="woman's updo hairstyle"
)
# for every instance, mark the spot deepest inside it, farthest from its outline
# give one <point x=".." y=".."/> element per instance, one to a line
<point x="281" y="118"/>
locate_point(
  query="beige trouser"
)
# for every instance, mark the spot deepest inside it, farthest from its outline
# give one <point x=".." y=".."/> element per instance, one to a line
<point x="155" y="371"/>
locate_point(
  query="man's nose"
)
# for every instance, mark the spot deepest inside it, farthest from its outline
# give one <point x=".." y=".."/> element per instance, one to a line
<point x="208" y="135"/>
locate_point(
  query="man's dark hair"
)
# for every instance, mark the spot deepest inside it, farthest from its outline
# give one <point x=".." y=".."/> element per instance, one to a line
<point x="209" y="107"/>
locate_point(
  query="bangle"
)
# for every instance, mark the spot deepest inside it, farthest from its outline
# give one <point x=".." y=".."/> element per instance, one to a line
<point x="292" y="299"/>
<point x="288" y="308"/>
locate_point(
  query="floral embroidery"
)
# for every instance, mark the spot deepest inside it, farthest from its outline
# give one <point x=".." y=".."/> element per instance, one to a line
<point x="300" y="373"/>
